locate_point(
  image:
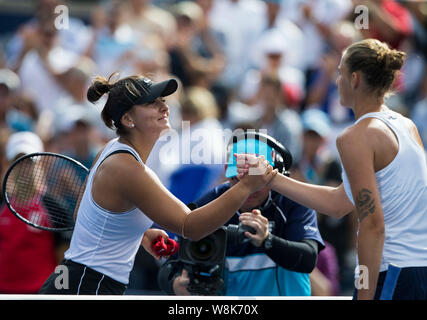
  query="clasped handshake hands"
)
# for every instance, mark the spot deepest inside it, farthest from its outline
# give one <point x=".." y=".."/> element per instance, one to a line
<point x="254" y="170"/>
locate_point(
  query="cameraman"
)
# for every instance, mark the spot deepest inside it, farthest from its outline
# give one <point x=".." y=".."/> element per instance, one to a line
<point x="271" y="263"/>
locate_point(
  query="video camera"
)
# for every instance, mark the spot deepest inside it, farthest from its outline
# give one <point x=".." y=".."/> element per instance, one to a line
<point x="205" y="259"/>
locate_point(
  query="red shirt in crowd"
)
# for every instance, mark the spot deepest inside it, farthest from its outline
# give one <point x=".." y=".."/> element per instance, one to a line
<point x="401" y="20"/>
<point x="27" y="254"/>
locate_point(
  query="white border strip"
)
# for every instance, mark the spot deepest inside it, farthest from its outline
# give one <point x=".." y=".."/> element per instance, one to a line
<point x="150" y="297"/>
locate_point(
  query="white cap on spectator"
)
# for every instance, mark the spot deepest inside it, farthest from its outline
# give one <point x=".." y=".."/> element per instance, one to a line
<point x="316" y="120"/>
<point x="189" y="9"/>
<point x="239" y="112"/>
<point x="10" y="79"/>
<point x="24" y="142"/>
<point x="67" y="118"/>
<point x="273" y="42"/>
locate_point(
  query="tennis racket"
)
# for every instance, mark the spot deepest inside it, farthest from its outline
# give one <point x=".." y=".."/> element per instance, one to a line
<point x="43" y="189"/>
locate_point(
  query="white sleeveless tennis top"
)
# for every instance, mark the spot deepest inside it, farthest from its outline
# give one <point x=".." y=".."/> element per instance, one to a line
<point x="103" y="240"/>
<point x="403" y="191"/>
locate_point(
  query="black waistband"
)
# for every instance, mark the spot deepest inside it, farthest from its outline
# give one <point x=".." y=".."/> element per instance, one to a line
<point x="71" y="263"/>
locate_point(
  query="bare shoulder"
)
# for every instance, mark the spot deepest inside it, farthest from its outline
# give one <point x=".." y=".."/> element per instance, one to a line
<point x="363" y="140"/>
<point x="123" y="159"/>
<point x="367" y="130"/>
<point x="123" y="167"/>
<point x="357" y="134"/>
<point x="121" y="179"/>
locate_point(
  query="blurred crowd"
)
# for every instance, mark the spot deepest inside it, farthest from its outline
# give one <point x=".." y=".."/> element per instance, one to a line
<point x="262" y="64"/>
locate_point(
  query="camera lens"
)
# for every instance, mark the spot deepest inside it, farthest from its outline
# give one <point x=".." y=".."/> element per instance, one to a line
<point x="203" y="249"/>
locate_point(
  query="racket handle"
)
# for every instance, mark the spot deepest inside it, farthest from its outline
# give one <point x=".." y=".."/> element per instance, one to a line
<point x="165" y="248"/>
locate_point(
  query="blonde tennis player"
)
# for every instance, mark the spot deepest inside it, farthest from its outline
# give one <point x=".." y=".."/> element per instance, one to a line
<point x="384" y="178"/>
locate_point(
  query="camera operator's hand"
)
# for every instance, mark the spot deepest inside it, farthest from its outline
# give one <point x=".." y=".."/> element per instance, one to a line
<point x="257" y="221"/>
<point x="255" y="172"/>
<point x="180" y="284"/>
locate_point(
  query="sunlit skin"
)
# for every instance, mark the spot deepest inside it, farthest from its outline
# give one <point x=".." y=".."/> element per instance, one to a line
<point x="146" y="121"/>
<point x="248" y="216"/>
<point x="142" y="125"/>
<point x="354" y="93"/>
<point x="365" y="148"/>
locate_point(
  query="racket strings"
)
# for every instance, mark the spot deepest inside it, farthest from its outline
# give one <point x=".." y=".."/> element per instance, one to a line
<point x="44" y="190"/>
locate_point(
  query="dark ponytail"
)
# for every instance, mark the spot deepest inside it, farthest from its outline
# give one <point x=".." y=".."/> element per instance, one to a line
<point x="99" y="87"/>
<point x="118" y="93"/>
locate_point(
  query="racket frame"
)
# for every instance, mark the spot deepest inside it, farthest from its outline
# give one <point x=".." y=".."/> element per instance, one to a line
<point x="14" y="164"/>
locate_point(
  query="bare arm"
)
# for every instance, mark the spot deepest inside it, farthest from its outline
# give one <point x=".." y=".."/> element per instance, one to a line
<point x="145" y="191"/>
<point x="330" y="201"/>
<point x="357" y="155"/>
<point x="320" y="285"/>
<point x="383" y="21"/>
<point x="327" y="200"/>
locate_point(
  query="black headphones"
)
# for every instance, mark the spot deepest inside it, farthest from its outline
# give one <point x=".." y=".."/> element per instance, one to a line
<point x="282" y="157"/>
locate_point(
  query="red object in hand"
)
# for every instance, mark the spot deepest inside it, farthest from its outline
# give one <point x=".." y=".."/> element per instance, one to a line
<point x="165" y="248"/>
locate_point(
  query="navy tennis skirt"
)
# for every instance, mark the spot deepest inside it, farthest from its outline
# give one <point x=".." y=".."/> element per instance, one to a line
<point x="401" y="284"/>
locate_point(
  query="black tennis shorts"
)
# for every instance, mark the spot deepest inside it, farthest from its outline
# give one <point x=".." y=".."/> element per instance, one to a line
<point x="73" y="278"/>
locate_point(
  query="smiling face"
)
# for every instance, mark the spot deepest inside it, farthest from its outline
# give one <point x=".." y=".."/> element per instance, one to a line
<point x="149" y="119"/>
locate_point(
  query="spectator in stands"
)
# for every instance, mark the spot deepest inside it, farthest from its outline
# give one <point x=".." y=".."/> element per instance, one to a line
<point x="315" y="19"/>
<point x="195" y="56"/>
<point x="20" y="243"/>
<point x="273" y="50"/>
<point x="201" y="146"/>
<point x="239" y="21"/>
<point x="419" y="113"/>
<point x="285" y="29"/>
<point x="114" y="42"/>
<point x="75" y="135"/>
<point x="317" y="129"/>
<point x="150" y="19"/>
<point x="9" y="84"/>
<point x="279" y="121"/>
<point x="43" y="66"/>
<point x="388" y="21"/>
<point x="75" y="38"/>
<point x="324" y="279"/>
<point x="322" y="90"/>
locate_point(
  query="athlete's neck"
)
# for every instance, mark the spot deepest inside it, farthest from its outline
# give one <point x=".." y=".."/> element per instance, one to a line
<point x="142" y="146"/>
<point x="367" y="104"/>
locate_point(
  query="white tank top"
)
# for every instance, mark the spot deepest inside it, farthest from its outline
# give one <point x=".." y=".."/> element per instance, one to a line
<point x="403" y="191"/>
<point x="103" y="240"/>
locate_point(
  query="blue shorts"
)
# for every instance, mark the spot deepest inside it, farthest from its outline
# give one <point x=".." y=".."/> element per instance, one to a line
<point x="410" y="284"/>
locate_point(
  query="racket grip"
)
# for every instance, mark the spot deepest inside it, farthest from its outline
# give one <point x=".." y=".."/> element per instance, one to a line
<point x="165" y="248"/>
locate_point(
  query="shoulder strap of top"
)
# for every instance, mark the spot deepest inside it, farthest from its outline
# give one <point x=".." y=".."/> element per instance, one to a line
<point x="391" y="119"/>
<point x="114" y="147"/>
<point x="369" y="115"/>
<point x="118" y="151"/>
<point x="384" y="115"/>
